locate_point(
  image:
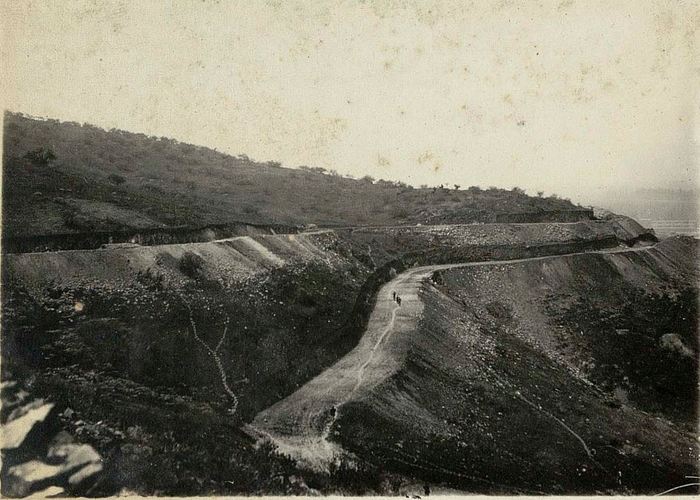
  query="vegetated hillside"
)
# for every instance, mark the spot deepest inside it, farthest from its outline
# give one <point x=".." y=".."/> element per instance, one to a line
<point x="63" y="177"/>
<point x="528" y="377"/>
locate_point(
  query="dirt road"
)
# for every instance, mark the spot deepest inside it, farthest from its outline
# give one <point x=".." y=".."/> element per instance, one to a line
<point x="301" y="423"/>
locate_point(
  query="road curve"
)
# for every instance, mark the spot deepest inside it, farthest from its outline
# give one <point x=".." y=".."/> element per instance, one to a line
<point x="300" y="424"/>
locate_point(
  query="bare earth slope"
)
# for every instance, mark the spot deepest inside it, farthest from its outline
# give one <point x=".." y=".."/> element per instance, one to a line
<point x="436" y="391"/>
<point x="224" y="260"/>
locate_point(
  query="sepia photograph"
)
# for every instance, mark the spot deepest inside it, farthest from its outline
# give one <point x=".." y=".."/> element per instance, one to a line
<point x="362" y="248"/>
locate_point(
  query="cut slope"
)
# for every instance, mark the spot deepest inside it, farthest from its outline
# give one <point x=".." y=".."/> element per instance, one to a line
<point x="288" y="301"/>
<point x="442" y="393"/>
<point x="226" y="260"/>
<point x="299" y="424"/>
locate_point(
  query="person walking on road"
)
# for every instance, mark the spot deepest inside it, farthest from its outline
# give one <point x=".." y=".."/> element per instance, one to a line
<point x="393" y="295"/>
<point x="398" y="300"/>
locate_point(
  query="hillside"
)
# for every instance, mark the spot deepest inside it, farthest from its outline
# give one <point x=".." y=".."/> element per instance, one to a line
<point x="108" y="334"/>
<point x="184" y="318"/>
<point x="118" y="337"/>
<point x="505" y="377"/>
<point x="67" y="177"/>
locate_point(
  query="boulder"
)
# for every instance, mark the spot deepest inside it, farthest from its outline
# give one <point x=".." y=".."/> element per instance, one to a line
<point x="15" y="433"/>
<point x="674" y="343"/>
<point x="35" y="459"/>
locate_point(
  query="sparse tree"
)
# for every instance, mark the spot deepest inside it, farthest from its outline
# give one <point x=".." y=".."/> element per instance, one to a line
<point x="116" y="179"/>
<point x="457" y="186"/>
<point x="41" y="156"/>
<point x="190" y="264"/>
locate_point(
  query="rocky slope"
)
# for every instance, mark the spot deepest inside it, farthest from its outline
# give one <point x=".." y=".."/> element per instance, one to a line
<point x="36" y="459"/>
<point x="487" y="388"/>
<point x="145" y="344"/>
<point x="160" y="352"/>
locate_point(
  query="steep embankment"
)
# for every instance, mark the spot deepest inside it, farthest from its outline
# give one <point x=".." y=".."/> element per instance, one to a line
<point x="457" y="388"/>
<point x="628" y="323"/>
<point x="143" y="347"/>
<point x="224" y="260"/>
<point x="321" y="282"/>
<point x="444" y="244"/>
<point x="129" y="311"/>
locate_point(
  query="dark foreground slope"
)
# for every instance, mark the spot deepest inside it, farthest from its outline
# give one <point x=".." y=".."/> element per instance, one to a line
<point x="115" y="180"/>
<point x="497" y="391"/>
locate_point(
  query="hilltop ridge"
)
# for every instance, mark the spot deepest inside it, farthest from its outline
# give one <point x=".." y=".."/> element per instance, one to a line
<point x="64" y="177"/>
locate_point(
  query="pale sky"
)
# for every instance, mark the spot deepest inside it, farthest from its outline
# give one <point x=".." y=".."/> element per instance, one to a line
<point x="562" y="96"/>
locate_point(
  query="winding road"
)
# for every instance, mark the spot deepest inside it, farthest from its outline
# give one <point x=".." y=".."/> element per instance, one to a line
<point x="300" y="424"/>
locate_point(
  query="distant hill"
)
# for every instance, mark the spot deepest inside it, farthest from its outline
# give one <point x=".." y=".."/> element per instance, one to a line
<point x="67" y="177"/>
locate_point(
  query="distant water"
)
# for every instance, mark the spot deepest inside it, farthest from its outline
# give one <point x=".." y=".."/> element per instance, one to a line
<point x="665" y="228"/>
<point x="667" y="211"/>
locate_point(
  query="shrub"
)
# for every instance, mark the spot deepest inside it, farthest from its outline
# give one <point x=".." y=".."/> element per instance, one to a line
<point x="190" y="264"/>
<point x="253" y="210"/>
<point x="116" y="179"/>
<point x="41" y="156"/>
